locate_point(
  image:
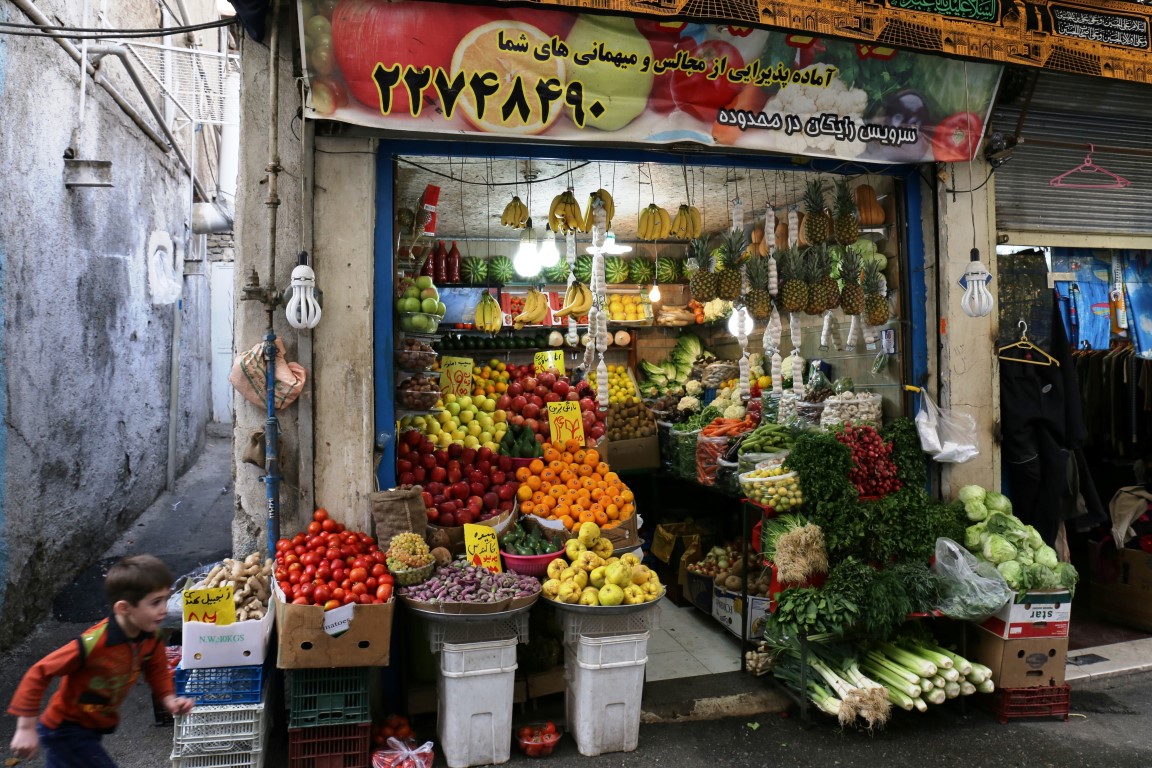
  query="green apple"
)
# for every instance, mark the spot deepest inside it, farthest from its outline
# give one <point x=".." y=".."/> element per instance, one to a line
<point x="440" y="308"/>
<point x="406" y="323"/>
<point x="428" y="306"/>
<point x="424" y="282"/>
<point x="430" y="293"/>
<point x="624" y="97"/>
<point x="471" y="442"/>
<point x="453" y="408"/>
<point x="420" y="323"/>
<point x="474" y="428"/>
<point x="466" y="417"/>
<point x="464" y="401"/>
<point x="411" y="292"/>
<point x="488" y="406"/>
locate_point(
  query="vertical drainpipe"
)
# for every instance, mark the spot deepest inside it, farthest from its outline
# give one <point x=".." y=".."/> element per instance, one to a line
<point x="271" y="426"/>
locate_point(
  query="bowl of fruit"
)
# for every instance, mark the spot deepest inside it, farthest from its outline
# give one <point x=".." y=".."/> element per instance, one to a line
<point x="538" y="739"/>
<point x="415" y="355"/>
<point x="409" y="560"/>
<point x="418" y="393"/>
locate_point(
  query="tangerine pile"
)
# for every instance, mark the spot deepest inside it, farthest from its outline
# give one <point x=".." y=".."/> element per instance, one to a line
<point x="574" y="486"/>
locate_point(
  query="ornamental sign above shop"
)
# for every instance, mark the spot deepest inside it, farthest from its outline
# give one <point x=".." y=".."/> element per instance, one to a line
<point x="429" y="67"/>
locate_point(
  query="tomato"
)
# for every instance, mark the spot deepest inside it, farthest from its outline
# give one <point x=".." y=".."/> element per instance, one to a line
<point x="387" y="579"/>
<point x="526" y="733"/>
<point x="378" y="569"/>
<point x="332" y="604"/>
<point x="320" y="515"/>
<point x="301" y="601"/>
<point x="283" y="544"/>
<point x="349" y="598"/>
<point x="328" y="525"/>
<point x="358" y="574"/>
<point x="323" y="573"/>
<point x="957" y="137"/>
<point x="549" y="727"/>
<point x="285" y="586"/>
<point x="384" y="593"/>
<point x="295" y="576"/>
<point x="314" y="527"/>
<point x="532" y="750"/>
<point x="321" y="594"/>
<point x="700" y="96"/>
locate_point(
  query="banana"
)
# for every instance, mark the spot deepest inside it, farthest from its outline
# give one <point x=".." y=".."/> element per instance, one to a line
<point x="489" y="316"/>
<point x="577" y="301"/>
<point x="604" y="197"/>
<point x="515" y="214"/>
<point x="564" y="214"/>
<point x="535" y="310"/>
<point x="665" y="222"/>
<point x="697" y="222"/>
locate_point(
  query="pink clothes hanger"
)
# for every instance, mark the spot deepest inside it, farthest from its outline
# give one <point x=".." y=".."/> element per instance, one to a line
<point x="1114" y="181"/>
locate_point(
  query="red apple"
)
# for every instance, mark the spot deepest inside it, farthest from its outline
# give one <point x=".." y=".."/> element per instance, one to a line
<point x="484" y="466"/>
<point x="517" y="420"/>
<point x="561" y="387"/>
<point x="483" y="453"/>
<point x="428" y="461"/>
<point x="438" y="499"/>
<point x="454" y="450"/>
<point x="506" y="492"/>
<point x="505" y="463"/>
<point x="454" y="464"/>
<point x="432" y="515"/>
<point x="504" y="402"/>
<point x="498" y="478"/>
<point x="518" y="403"/>
<point x="427" y="498"/>
<point x="419" y="473"/>
<point x="441" y="457"/>
<point x="454" y="474"/>
<point x="474" y="476"/>
<point x="402" y="466"/>
<point x="477" y="489"/>
<point x="514" y="389"/>
<point x="491" y="500"/>
<point x="447" y="519"/>
<point x="464" y="517"/>
<point x="434" y="488"/>
<point x="407" y="479"/>
<point x="413" y="437"/>
<point x="402" y="449"/>
<point x="437" y="474"/>
<point x="469" y="456"/>
<point x="505" y="506"/>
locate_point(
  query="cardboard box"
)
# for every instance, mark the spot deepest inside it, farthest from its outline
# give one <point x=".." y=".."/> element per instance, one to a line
<point x="303" y="643"/>
<point x="546" y="683"/>
<point x="728" y="608"/>
<point x="641" y="453"/>
<point x="1032" y="614"/>
<point x="241" y="644"/>
<point x="1122" y="587"/>
<point x="1024" y="663"/>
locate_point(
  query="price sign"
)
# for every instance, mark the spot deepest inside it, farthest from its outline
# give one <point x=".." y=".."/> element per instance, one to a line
<point x="481" y="547"/>
<point x="551" y="358"/>
<point x="565" y="422"/>
<point x="210" y="606"/>
<point x="456" y="375"/>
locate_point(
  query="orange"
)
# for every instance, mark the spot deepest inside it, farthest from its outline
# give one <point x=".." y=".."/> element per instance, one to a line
<point x="522" y="474"/>
<point x="545" y="485"/>
<point x="549" y="503"/>
<point x="538" y="497"/>
<point x="587" y="516"/>
<point x="524" y="492"/>
<point x="572" y="446"/>
<point x="548" y="475"/>
<point x="584" y="471"/>
<point x="610" y="525"/>
<point x="597" y="493"/>
<point x="557" y="466"/>
<point x="584" y="493"/>
<point x="618" y="501"/>
<point x="612" y="512"/>
<point x="591" y="457"/>
<point x="567" y="475"/>
<point x="567" y="521"/>
<point x="551" y="455"/>
<point x="526" y="507"/>
<point x="602" y="470"/>
<point x="533" y="482"/>
<point x="566" y="457"/>
<point x="611" y="477"/>
<point x="536" y="467"/>
<point x="479" y="51"/>
<point x="587" y="483"/>
<point x="573" y="483"/>
<point x="596" y="476"/>
<point x="556" y="491"/>
<point x="627" y="495"/>
<point x="626" y="511"/>
<point x="578" y="456"/>
<point x="599" y="517"/>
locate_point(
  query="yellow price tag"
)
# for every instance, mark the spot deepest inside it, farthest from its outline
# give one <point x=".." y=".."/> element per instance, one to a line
<point x="549" y="358"/>
<point x="210" y="606"/>
<point x="481" y="547"/>
<point x="456" y="375"/>
<point x="565" y="422"/>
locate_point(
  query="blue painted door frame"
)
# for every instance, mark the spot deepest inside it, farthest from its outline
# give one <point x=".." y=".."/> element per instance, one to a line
<point x="916" y="344"/>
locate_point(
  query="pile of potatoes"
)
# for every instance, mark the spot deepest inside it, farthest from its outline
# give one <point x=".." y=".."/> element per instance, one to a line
<point x="251" y="582"/>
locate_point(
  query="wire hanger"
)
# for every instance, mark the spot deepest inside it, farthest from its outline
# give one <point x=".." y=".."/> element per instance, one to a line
<point x="1115" y="181"/>
<point x="1028" y="348"/>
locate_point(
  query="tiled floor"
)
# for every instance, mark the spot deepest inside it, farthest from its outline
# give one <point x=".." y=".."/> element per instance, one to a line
<point x="688" y="644"/>
<point x="1109" y="660"/>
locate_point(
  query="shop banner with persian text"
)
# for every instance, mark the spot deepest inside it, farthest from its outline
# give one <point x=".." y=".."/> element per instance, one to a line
<point x="428" y="67"/>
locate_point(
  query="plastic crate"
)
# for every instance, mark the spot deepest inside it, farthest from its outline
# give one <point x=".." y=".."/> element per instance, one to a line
<point x="211" y="730"/>
<point x="330" y="746"/>
<point x="328" y="697"/>
<point x="475" y="688"/>
<point x="221" y="760"/>
<point x="1015" y="703"/>
<point x="221" y="685"/>
<point x="602" y="700"/>
<point x="577" y="625"/>
<point x="464" y="632"/>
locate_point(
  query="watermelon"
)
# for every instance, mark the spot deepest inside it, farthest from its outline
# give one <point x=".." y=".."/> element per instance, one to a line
<point x="667" y="270"/>
<point x="557" y="274"/>
<point x="583" y="269"/>
<point x="500" y="270"/>
<point x="474" y="270"/>
<point x="640" y="271"/>
<point x="615" y="270"/>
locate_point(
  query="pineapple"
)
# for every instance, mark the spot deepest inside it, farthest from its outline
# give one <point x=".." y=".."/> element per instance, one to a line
<point x="703" y="281"/>
<point x="875" y="302"/>
<point x="816" y="222"/>
<point x="851" y="295"/>
<point x="758" y="300"/>
<point x="826" y="288"/>
<point x="793" y="292"/>
<point x="812" y="273"/>
<point x="728" y="265"/>
<point x="845" y="227"/>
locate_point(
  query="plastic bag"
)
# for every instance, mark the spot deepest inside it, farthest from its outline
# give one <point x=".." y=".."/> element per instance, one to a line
<point x="401" y="755"/>
<point x="970" y="589"/>
<point x="947" y="435"/>
<point x="709" y="450"/>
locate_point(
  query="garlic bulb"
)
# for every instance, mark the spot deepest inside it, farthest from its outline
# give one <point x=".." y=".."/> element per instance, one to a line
<point x="797" y="373"/>
<point x="853" y="334"/>
<point x="770" y="231"/>
<point x="793" y="228"/>
<point x="773" y="277"/>
<point x="777" y="373"/>
<point x="826" y="330"/>
<point x="602" y="384"/>
<point x="794" y="330"/>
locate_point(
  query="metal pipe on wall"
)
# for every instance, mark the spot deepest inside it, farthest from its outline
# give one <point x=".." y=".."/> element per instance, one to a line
<point x="271" y="427"/>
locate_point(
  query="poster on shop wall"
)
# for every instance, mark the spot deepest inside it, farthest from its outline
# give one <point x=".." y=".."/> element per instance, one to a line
<point x="509" y="72"/>
<point x="1093" y="282"/>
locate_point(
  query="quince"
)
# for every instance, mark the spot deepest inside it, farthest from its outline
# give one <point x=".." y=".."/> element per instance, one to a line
<point x="556" y="567"/>
<point x="630" y="558"/>
<point x="640" y="574"/>
<point x="611" y="560"/>
<point x="596" y="578"/>
<point x="610" y="594"/>
<point x="619" y="574"/>
<point x="633" y="595"/>
<point x="602" y="547"/>
<point x="589" y="561"/>
<point x="590" y="596"/>
<point x="576" y="575"/>
<point x="569" y="592"/>
<point x="573" y="549"/>
<point x="588" y="534"/>
<point x="652" y="587"/>
<point x="551" y="588"/>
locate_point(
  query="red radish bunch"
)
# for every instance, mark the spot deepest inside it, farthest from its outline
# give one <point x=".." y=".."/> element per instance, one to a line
<point x="873" y="471"/>
<point x="460" y="485"/>
<point x="331" y="566"/>
<point x="528" y="395"/>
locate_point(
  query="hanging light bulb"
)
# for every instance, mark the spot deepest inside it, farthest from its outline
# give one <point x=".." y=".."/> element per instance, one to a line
<point x="527" y="262"/>
<point x="654" y="294"/>
<point x="303" y="310"/>
<point x="977" y="299"/>
<point x="548" y="254"/>
<point x="740" y="317"/>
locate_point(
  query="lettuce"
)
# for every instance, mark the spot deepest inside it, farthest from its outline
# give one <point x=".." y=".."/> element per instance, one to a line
<point x="1035" y="540"/>
<point x="1014" y="574"/>
<point x="1067" y="576"/>
<point x="998" y="549"/>
<point x="998" y="502"/>
<point x="1042" y="577"/>
<point x="1046" y="556"/>
<point x="972" y="537"/>
<point x="972" y="493"/>
<point x="975" y="511"/>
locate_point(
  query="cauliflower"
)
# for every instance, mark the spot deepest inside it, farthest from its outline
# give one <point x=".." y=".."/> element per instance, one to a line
<point x="694" y="388"/>
<point x="717" y="309"/>
<point x="756" y="365"/>
<point x="688" y="403"/>
<point x="734" y="412"/>
<point x="720" y="403"/>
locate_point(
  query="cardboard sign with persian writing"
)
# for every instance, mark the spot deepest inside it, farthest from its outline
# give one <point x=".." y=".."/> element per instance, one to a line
<point x="565" y="422"/>
<point x="456" y="375"/>
<point x="481" y="547"/>
<point x="210" y="606"/>
<point x="549" y="358"/>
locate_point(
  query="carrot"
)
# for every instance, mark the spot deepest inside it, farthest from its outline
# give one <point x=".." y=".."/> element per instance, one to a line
<point x="751" y="98"/>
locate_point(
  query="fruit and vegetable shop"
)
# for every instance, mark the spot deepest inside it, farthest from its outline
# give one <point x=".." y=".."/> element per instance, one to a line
<point x="651" y="348"/>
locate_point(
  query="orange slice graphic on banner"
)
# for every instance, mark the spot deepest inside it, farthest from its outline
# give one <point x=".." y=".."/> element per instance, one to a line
<point x="503" y="53"/>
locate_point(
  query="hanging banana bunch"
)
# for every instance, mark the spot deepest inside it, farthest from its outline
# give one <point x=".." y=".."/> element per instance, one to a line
<point x="489" y="316"/>
<point x="687" y="224"/>
<point x="535" y="310"/>
<point x="577" y="301"/>
<point x="604" y="199"/>
<point x="564" y="213"/>
<point x="515" y="214"/>
<point x="654" y="223"/>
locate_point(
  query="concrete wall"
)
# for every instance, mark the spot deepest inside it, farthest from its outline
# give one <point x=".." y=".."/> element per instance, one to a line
<point x="85" y="366"/>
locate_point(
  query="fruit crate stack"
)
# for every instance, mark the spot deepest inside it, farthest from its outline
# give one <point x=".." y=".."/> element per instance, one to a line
<point x="228" y="727"/>
<point x="329" y="721"/>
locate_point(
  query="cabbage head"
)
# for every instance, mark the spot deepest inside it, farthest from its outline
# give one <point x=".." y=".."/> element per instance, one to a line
<point x="997" y="502"/>
<point x="1025" y="556"/>
<point x="1035" y="540"/>
<point x="998" y="549"/>
<point x="1014" y="574"/>
<point x="1042" y="577"/>
<point x="975" y="511"/>
<point x="972" y="493"/>
<point x="1067" y="576"/>
<point x="1046" y="556"/>
<point x="972" y="537"/>
<point x="1001" y="523"/>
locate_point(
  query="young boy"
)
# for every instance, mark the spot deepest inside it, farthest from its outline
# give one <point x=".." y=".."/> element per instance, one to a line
<point x="98" y="671"/>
